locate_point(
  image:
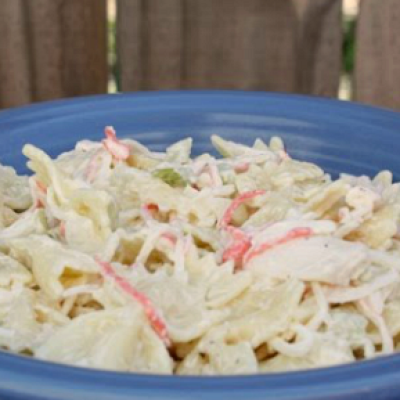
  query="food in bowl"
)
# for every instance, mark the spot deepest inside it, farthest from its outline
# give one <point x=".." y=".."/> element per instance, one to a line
<point x="116" y="257"/>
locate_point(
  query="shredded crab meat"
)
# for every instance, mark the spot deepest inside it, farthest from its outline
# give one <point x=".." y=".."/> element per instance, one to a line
<point x="152" y="314"/>
<point x="147" y="212"/>
<point x="259" y="262"/>
<point x="62" y="229"/>
<point x="38" y="192"/>
<point x="150" y="243"/>
<point x="179" y="256"/>
<point x="41" y="186"/>
<point x="372" y="311"/>
<point x="92" y="167"/>
<point x="340" y="294"/>
<point x="170" y="237"/>
<point x="293" y="234"/>
<point x="240" y="244"/>
<point x="38" y="204"/>
<point x="216" y="180"/>
<point x="120" y="151"/>
<point x="228" y="215"/>
<point x="241" y="167"/>
<point x="323" y="313"/>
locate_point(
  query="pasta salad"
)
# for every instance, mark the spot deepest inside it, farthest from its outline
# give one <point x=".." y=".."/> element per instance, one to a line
<point x="116" y="257"/>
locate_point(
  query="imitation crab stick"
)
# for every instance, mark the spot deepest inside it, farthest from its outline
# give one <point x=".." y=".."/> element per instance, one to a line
<point x="41" y="192"/>
<point x="62" y="229"/>
<point x="115" y="147"/>
<point x="170" y="237"/>
<point x="41" y="186"/>
<point x="92" y="168"/>
<point x="295" y="233"/>
<point x="153" y="316"/>
<point x="242" y="167"/>
<point x="239" y="246"/>
<point x="226" y="218"/>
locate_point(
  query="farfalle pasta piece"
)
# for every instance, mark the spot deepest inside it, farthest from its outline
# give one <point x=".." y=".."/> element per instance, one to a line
<point x="272" y="319"/>
<point x="12" y="272"/>
<point x="214" y="355"/>
<point x="48" y="174"/>
<point x="118" y="339"/>
<point x="91" y="218"/>
<point x="292" y="171"/>
<point x="274" y="209"/>
<point x="377" y="232"/>
<point x="228" y="148"/>
<point x="31" y="222"/>
<point x="327" y="198"/>
<point x="14" y="189"/>
<point x="255" y="178"/>
<point x="53" y="266"/>
<point x="180" y="151"/>
<point x="227" y="286"/>
<point x="89" y="214"/>
<point x="327" y="350"/>
<point x="315" y="258"/>
<point x="183" y="306"/>
<point x="19" y="328"/>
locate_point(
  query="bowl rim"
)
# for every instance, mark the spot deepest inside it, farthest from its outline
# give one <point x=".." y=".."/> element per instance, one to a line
<point x="381" y="372"/>
<point x="215" y="93"/>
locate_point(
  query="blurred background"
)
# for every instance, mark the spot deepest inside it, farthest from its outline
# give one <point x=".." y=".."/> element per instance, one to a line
<point x="53" y="49"/>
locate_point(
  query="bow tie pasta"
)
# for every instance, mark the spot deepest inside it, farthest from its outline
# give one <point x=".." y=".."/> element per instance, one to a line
<point x="116" y="257"/>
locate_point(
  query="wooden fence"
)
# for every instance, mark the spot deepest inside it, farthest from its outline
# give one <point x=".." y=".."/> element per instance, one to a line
<point x="58" y="48"/>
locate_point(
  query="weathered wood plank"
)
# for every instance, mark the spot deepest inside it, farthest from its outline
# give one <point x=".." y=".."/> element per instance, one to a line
<point x="192" y="43"/>
<point x="236" y="44"/>
<point x="150" y="43"/>
<point x="69" y="53"/>
<point x="84" y="25"/>
<point x="163" y="38"/>
<point x="377" y="70"/>
<point x="129" y="44"/>
<point x="15" y="79"/>
<point x="254" y="44"/>
<point x="46" y="51"/>
<point x="320" y="48"/>
<point x="53" y="49"/>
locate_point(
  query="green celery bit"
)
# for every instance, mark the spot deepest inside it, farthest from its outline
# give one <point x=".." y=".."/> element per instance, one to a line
<point x="170" y="177"/>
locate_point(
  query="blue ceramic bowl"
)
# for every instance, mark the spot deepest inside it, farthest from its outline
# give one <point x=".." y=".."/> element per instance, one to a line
<point x="341" y="137"/>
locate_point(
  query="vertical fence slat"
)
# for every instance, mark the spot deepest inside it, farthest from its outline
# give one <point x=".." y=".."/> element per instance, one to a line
<point x="254" y="44"/>
<point x="150" y="43"/>
<point x="53" y="49"/>
<point x="45" y="40"/>
<point x="15" y="80"/>
<point x="206" y="43"/>
<point x="320" y="49"/>
<point x="162" y="50"/>
<point x="377" y="71"/>
<point x="236" y="44"/>
<point x="84" y="25"/>
<point x="129" y="44"/>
